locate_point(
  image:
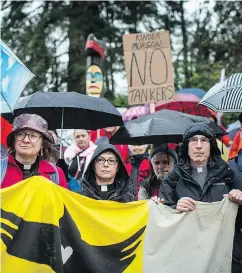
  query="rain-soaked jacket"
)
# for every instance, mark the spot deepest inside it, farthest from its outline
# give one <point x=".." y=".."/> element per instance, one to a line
<point x="123" y="187"/>
<point x="221" y="179"/>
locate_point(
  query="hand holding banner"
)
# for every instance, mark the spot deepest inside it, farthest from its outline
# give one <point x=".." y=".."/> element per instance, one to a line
<point x="55" y="230"/>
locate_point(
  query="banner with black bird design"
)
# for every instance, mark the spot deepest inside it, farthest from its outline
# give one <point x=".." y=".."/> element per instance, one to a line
<point x="46" y="229"/>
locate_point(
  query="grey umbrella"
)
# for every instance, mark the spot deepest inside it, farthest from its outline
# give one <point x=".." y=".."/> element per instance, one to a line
<point x="164" y="126"/>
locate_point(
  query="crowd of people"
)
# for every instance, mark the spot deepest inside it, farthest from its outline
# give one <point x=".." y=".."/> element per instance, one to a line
<point x="91" y="166"/>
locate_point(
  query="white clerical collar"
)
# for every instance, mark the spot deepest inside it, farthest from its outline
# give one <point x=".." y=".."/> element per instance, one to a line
<point x="104" y="188"/>
<point x="200" y="169"/>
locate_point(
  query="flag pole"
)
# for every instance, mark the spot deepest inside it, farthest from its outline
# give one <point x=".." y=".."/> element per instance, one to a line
<point x="62" y="125"/>
<point x="7" y="103"/>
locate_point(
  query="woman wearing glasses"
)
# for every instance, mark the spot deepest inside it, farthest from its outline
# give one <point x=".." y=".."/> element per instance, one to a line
<point x="29" y="142"/>
<point x="106" y="177"/>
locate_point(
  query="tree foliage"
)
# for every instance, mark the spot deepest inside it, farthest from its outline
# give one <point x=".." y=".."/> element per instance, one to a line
<point x="49" y="37"/>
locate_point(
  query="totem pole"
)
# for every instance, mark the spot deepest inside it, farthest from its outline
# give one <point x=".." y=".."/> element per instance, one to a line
<point x="95" y="53"/>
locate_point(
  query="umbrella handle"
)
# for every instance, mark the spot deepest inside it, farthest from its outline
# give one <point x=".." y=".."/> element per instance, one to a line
<point x="152" y="108"/>
<point x="6" y="102"/>
<point x="62" y="122"/>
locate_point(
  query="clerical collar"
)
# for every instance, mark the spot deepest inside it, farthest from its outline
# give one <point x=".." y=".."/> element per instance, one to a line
<point x="105" y="188"/>
<point x="26" y="167"/>
<point x="201" y="169"/>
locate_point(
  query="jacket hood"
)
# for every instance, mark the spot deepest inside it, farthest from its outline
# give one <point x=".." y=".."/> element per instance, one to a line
<point x="122" y="172"/>
<point x="199" y="128"/>
<point x="102" y="140"/>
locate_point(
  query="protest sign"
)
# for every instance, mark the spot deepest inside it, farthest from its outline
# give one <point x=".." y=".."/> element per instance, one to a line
<point x="148" y="67"/>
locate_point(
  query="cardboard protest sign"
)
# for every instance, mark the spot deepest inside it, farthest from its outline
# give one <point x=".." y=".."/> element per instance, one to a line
<point x="149" y="67"/>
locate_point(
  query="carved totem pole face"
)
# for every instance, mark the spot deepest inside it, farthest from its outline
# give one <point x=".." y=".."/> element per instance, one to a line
<point x="94" y="81"/>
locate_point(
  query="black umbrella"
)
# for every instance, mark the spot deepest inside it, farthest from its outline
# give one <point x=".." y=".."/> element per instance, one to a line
<point x="164" y="126"/>
<point x="70" y="110"/>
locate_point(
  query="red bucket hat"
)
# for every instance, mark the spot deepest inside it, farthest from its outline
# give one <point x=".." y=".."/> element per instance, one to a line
<point x="33" y="122"/>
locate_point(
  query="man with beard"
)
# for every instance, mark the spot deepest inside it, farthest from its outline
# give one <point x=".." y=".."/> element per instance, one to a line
<point x="162" y="160"/>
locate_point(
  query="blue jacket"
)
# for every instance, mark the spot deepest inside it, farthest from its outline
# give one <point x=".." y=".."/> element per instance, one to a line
<point x="236" y="165"/>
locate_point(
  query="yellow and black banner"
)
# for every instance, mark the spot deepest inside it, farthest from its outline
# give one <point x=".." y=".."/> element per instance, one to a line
<point x="46" y="229"/>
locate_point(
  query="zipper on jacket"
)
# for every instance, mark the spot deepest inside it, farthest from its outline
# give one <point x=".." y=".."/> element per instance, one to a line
<point x="195" y="183"/>
<point x="201" y="190"/>
<point x="208" y="183"/>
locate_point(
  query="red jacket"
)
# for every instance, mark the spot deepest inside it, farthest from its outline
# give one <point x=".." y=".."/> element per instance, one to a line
<point x="94" y="135"/>
<point x="144" y="167"/>
<point x="124" y="151"/>
<point x="236" y="146"/>
<point x="14" y="174"/>
<point x="6" y="129"/>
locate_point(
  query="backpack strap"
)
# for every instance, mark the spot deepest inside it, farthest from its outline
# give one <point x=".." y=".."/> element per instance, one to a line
<point x="4" y="166"/>
<point x="80" y="166"/>
<point x="54" y="176"/>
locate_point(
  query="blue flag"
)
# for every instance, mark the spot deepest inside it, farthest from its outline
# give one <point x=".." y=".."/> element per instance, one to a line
<point x="14" y="76"/>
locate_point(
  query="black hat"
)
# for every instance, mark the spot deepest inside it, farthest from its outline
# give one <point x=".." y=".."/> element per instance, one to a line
<point x="164" y="149"/>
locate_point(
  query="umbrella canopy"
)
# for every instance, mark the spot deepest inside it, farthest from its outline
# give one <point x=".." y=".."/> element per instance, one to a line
<point x="135" y="112"/>
<point x="225" y="96"/>
<point x="188" y="107"/>
<point x="70" y="110"/>
<point x="186" y="97"/>
<point x="164" y="126"/>
<point x="194" y="91"/>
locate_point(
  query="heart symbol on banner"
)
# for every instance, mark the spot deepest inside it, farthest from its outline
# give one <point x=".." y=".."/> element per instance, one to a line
<point x="66" y="253"/>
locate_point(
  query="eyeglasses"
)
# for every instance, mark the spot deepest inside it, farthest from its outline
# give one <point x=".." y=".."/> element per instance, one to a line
<point x="102" y="161"/>
<point x="33" y="137"/>
<point x="194" y="140"/>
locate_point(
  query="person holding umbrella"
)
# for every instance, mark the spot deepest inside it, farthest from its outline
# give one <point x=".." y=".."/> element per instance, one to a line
<point x="201" y="175"/>
<point x="30" y="144"/>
